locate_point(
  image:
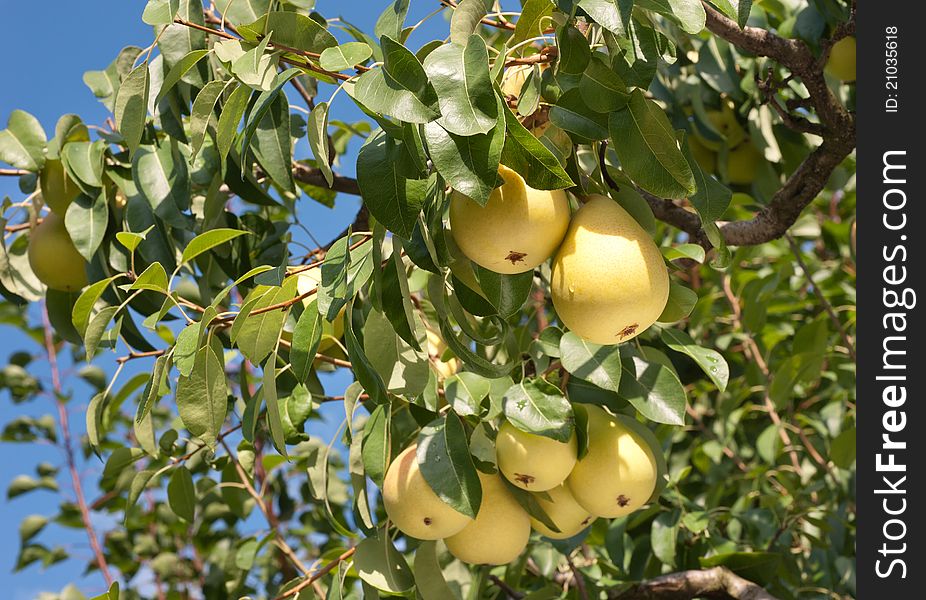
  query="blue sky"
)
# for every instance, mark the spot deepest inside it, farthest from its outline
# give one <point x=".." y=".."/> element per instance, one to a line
<point x="60" y="47"/>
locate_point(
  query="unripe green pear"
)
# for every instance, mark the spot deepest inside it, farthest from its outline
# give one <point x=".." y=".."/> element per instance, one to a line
<point x="58" y="191"/>
<point x="618" y="474"/>
<point x="413" y="506"/>
<point x="743" y="164"/>
<point x="53" y="257"/>
<point x="610" y="282"/>
<point x="517" y="229"/>
<point x="533" y="462"/>
<point x="567" y="514"/>
<point x="501" y="529"/>
<point x="841" y="62"/>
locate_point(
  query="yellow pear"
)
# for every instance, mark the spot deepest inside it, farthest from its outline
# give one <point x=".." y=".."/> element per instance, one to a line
<point x="726" y="124"/>
<point x="53" y="257"/>
<point x="515" y="77"/>
<point x="501" y="529"/>
<point x="413" y="506"/>
<point x="704" y="156"/>
<point x="436" y="348"/>
<point x="533" y="462"/>
<point x="58" y="191"/>
<point x="841" y="62"/>
<point x="743" y="164"/>
<point x="568" y="516"/>
<point x="618" y="475"/>
<point x="332" y="331"/>
<point x="610" y="281"/>
<point x="517" y="229"/>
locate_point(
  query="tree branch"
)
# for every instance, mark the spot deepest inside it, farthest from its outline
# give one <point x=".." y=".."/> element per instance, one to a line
<point x="717" y="583"/>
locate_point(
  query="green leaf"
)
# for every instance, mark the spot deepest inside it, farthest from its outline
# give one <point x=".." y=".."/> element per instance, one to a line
<point x="377" y="443"/>
<point x="600" y="365"/>
<point x="177" y="72"/>
<point x="693" y="252"/>
<point x="86" y="221"/>
<point x="177" y="41"/>
<point x="378" y="92"/>
<point x="392" y="198"/>
<point x="464" y="87"/>
<point x="290" y="29"/>
<point x="162" y="178"/>
<point x="712" y="198"/>
<point x="364" y="371"/>
<point x="688" y="13"/>
<point x="31" y="526"/>
<point x="160" y="12"/>
<point x="265" y="101"/>
<point x="273" y="144"/>
<point x="131" y="106"/>
<point x="681" y="302"/>
<point x="274" y="418"/>
<point x="153" y="278"/>
<point x="446" y="464"/>
<point x="96" y="328"/>
<point x="468" y="164"/>
<point x="842" y="449"/>
<point x="317" y="131"/>
<point x="653" y="389"/>
<point x="259" y="333"/>
<point x="710" y="361"/>
<point x="507" y="293"/>
<point x="22" y="143"/>
<point x="203" y="113"/>
<point x="534" y="15"/>
<point x="429" y="577"/>
<point x="572" y="114"/>
<point x="207" y="241"/>
<point x="646" y="146"/>
<point x="738" y="10"/>
<point x="574" y="51"/>
<point x="202" y="396"/>
<point x="465" y="391"/>
<point x="181" y="495"/>
<point x="111" y="594"/>
<point x="536" y="406"/>
<point x="153" y="389"/>
<point x="84" y="164"/>
<point x="389" y="23"/>
<point x="83" y="307"/>
<point x="306" y="336"/>
<point x="601" y="87"/>
<point x="380" y="565"/>
<point x="664" y="537"/>
<point x="613" y="15"/>
<point x="345" y="56"/>
<point x="525" y="154"/>
<point x="466" y="19"/>
<point x="230" y="118"/>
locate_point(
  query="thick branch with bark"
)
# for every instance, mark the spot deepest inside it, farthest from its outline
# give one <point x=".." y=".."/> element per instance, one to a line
<point x="717" y="583"/>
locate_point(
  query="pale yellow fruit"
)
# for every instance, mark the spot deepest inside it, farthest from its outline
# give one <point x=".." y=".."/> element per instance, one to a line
<point x="515" y="77"/>
<point x="568" y="516"/>
<point x="533" y="462"/>
<point x="704" y="156"/>
<point x="610" y="281"/>
<point x="413" y="506"/>
<point x="436" y="348"/>
<point x="517" y="229"/>
<point x="53" y="257"/>
<point x="618" y="475"/>
<point x="743" y="164"/>
<point x="58" y="191"/>
<point x="841" y="62"/>
<point x="501" y="529"/>
<point x="332" y="331"/>
<point x="726" y="124"/>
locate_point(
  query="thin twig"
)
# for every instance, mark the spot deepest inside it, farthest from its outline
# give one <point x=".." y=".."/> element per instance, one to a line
<point x="68" y="447"/>
<point x="318" y="574"/>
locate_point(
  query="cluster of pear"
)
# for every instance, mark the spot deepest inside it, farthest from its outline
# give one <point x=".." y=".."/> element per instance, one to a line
<point x="609" y="280"/>
<point x="52" y="255"/>
<point x="615" y="477"/>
